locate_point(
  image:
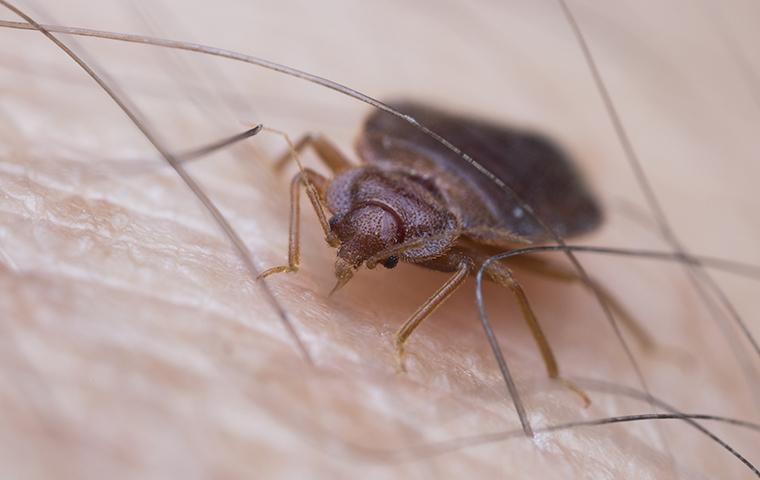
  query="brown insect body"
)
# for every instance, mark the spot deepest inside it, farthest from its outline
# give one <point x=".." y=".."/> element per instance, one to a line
<point x="412" y="187"/>
<point x="414" y="200"/>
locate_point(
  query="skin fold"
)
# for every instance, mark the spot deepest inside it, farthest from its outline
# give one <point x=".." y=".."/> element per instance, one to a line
<point x="135" y="344"/>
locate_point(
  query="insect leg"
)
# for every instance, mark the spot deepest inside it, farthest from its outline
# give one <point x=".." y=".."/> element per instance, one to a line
<point x="435" y="300"/>
<point x="554" y="271"/>
<point x="325" y="150"/>
<point x="305" y="178"/>
<point x="502" y="275"/>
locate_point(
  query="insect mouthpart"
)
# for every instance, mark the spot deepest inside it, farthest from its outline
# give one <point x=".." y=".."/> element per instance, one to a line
<point x="343" y="272"/>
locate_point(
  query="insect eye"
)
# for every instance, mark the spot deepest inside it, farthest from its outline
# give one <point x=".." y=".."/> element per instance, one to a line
<point x="332" y="222"/>
<point x="390" y="262"/>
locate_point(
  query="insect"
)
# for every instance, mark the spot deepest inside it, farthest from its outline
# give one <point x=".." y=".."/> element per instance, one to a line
<point x="316" y="410"/>
<point x="411" y="201"/>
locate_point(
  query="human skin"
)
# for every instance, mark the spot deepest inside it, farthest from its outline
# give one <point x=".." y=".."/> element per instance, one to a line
<point x="137" y="345"/>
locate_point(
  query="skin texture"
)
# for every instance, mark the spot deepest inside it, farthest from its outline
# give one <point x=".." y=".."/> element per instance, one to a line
<point x="136" y="345"/>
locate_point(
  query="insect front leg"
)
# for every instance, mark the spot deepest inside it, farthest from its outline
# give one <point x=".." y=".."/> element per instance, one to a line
<point x="502" y="275"/>
<point x="435" y="300"/>
<point x="315" y="185"/>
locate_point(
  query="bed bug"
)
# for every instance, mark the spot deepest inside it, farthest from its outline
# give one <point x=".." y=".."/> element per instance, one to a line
<point x="412" y="201"/>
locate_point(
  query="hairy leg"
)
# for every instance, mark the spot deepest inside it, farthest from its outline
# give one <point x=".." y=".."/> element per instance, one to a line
<point x="135" y="345"/>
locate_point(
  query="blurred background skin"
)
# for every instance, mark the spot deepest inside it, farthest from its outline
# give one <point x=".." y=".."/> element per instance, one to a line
<point x="135" y="344"/>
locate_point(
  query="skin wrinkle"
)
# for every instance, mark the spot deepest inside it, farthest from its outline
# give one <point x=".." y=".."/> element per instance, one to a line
<point x="225" y="418"/>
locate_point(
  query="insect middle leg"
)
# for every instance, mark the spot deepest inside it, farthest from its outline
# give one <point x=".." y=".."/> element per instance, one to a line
<point x="427" y="308"/>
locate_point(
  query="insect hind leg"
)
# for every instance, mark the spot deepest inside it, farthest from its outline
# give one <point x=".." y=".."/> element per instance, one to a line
<point x="557" y="272"/>
<point x="502" y="275"/>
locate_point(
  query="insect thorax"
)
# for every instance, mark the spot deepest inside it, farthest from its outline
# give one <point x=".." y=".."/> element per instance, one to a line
<point x="374" y="209"/>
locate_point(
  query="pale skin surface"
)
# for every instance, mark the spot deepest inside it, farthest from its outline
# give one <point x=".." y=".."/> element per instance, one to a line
<point x="136" y="345"/>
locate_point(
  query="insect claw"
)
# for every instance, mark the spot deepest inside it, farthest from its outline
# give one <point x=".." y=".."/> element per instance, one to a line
<point x="400" y="363"/>
<point x="576" y="390"/>
<point x="332" y="240"/>
<point x="273" y="270"/>
<point x="338" y="285"/>
<point x="401" y="366"/>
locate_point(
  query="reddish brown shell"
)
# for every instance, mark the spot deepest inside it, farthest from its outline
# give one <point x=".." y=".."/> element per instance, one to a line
<point x="538" y="171"/>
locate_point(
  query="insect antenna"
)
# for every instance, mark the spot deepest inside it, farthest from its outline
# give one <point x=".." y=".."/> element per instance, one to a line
<point x="199" y="152"/>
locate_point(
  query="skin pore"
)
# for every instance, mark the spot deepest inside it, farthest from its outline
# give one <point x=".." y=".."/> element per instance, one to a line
<point x="136" y="345"/>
